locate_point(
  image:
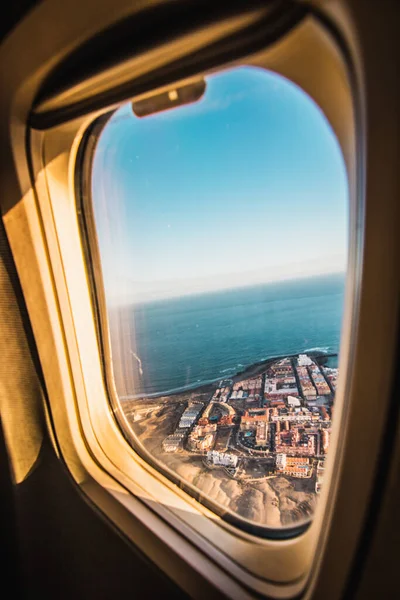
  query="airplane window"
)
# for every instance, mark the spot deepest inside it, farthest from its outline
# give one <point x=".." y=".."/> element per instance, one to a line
<point x="222" y="229"/>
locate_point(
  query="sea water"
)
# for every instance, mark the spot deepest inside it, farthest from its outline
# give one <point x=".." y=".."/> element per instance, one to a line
<point x="184" y="342"/>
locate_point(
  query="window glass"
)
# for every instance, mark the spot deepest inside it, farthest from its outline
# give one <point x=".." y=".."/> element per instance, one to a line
<point x="222" y="227"/>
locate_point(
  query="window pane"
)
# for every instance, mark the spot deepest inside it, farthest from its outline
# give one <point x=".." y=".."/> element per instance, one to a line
<point x="222" y="229"/>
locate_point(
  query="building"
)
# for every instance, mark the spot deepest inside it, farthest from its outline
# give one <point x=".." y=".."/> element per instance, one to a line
<point x="292" y="414"/>
<point x="280" y="461"/>
<point x="319" y="380"/>
<point x="261" y="433"/>
<point x="294" y="440"/>
<point x="202" y="437"/>
<point x="201" y="443"/>
<point x="280" y="382"/>
<point x="304" y="360"/>
<point x="249" y="384"/>
<point x="332" y="375"/>
<point x="190" y="415"/>
<point x="174" y="442"/>
<point x="295" y="466"/>
<point x="307" y="387"/>
<point x="252" y="417"/>
<point x="293" y="401"/>
<point x="223" y="459"/>
<point x="280" y="387"/>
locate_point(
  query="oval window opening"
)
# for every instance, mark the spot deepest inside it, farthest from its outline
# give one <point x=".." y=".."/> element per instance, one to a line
<point x="222" y="229"/>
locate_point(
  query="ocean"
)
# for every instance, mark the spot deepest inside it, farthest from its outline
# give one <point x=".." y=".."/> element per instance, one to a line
<point x="184" y="342"/>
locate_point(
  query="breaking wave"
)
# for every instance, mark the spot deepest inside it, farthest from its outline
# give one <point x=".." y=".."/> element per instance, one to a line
<point x="324" y="349"/>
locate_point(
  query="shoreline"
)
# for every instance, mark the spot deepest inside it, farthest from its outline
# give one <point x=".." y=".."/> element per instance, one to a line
<point x="247" y="372"/>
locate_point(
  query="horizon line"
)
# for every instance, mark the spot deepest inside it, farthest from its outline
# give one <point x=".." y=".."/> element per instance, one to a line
<point x="223" y="289"/>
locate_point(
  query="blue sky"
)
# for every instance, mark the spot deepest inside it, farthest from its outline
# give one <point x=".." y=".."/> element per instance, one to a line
<point x="245" y="186"/>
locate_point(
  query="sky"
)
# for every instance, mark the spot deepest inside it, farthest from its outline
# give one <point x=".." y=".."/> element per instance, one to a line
<point x="246" y="186"/>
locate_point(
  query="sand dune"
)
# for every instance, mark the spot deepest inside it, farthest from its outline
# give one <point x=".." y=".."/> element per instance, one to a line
<point x="271" y="502"/>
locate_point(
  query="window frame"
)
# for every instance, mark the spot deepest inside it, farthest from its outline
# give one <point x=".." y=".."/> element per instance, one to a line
<point x="85" y="459"/>
<point x="243" y="560"/>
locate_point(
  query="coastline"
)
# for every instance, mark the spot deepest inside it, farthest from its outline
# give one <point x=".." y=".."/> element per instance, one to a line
<point x="257" y="492"/>
<point x="247" y="372"/>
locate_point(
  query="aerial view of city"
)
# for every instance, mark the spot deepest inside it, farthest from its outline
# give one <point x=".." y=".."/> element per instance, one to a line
<point x="255" y="443"/>
<point x="222" y="227"/>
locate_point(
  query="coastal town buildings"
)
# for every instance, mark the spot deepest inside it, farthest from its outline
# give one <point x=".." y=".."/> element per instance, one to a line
<point x="280" y="382"/>
<point x="331" y="374"/>
<point x="281" y="415"/>
<point x="319" y="381"/>
<point x="202" y="437"/>
<point x="307" y="388"/>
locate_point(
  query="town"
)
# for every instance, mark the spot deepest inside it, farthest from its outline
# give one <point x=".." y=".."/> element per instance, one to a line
<point x="279" y="421"/>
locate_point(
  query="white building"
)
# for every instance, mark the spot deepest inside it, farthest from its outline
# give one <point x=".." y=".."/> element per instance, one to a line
<point x="220" y="458"/>
<point x="281" y="461"/>
<point x="304" y="360"/>
<point x="299" y="416"/>
<point x="174" y="442"/>
<point x="293" y="401"/>
<point x="190" y="415"/>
